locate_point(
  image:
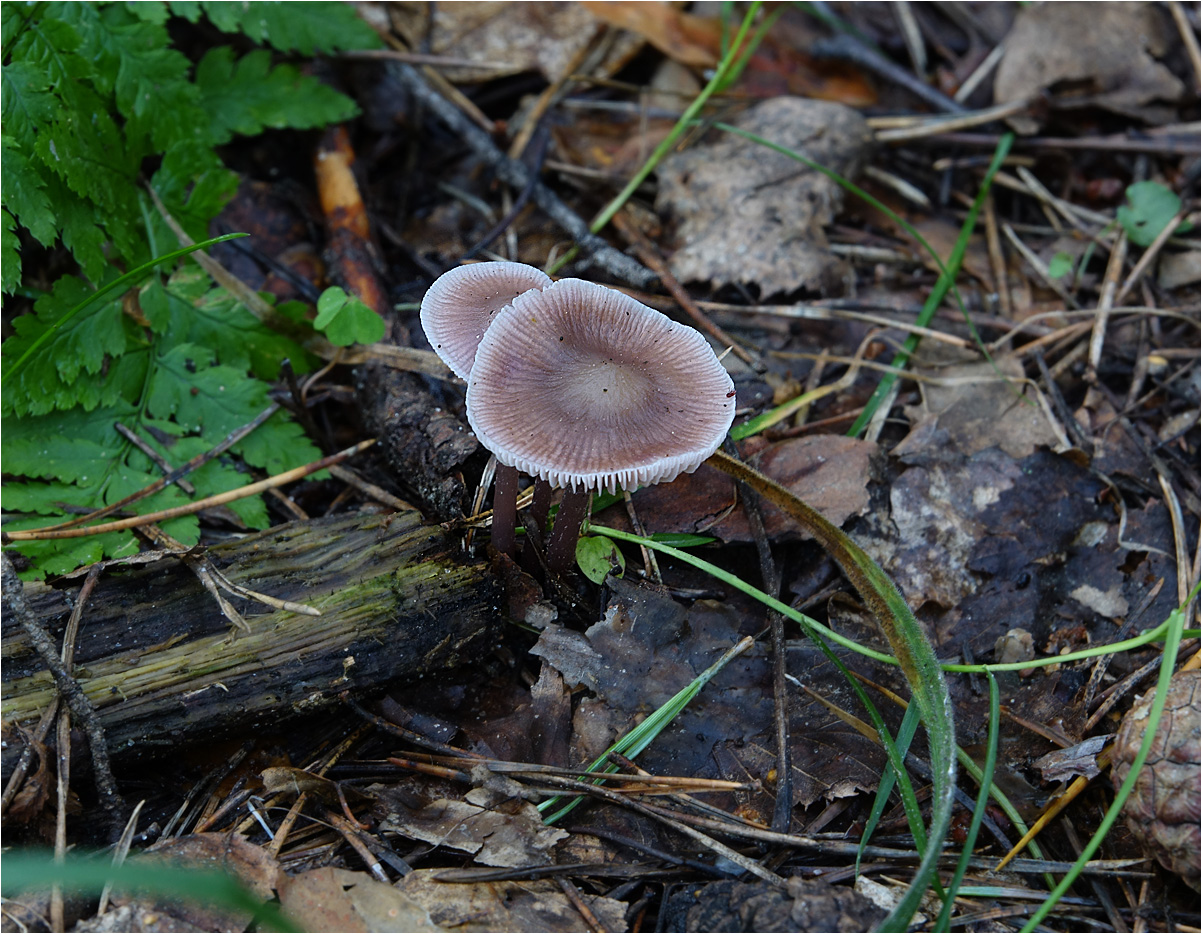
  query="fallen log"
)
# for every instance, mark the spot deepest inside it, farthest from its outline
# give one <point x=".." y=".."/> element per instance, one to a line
<point x="163" y="667"/>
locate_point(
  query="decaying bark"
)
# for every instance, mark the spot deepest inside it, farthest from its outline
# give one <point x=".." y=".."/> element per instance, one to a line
<point x="163" y="667"/>
<point x="425" y="444"/>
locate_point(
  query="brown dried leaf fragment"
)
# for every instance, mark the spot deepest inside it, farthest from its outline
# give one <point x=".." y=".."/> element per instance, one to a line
<point x="748" y="214"/>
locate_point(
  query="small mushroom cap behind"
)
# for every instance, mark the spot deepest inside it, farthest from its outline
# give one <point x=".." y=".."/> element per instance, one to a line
<point x="587" y="388"/>
<point x="460" y="305"/>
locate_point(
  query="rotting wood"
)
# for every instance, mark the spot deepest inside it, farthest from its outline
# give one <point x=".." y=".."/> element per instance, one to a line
<point x="163" y="667"/>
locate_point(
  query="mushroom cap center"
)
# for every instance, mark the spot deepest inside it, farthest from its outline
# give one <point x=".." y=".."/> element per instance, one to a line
<point x="586" y="387"/>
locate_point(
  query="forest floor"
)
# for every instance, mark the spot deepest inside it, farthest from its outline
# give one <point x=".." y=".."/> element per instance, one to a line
<point x="1020" y="454"/>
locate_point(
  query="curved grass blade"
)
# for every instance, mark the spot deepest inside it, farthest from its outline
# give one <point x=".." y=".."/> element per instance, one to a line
<point x="120" y="282"/>
<point x="995" y="715"/>
<point x="905" y="736"/>
<point x="914" y="654"/>
<point x="35" y="870"/>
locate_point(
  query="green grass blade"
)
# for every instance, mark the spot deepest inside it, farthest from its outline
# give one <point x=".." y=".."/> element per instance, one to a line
<point x="905" y="736"/>
<point x="978" y="812"/>
<point x="121" y="282"/>
<point x="721" y="74"/>
<point x="25" y="871"/>
<point x="915" y="655"/>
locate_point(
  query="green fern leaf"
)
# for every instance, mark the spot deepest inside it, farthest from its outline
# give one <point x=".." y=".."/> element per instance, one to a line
<point x="25" y="194"/>
<point x="27" y="103"/>
<point x="250" y="96"/>
<point x="51" y="378"/>
<point x="294" y="27"/>
<point x="10" y="254"/>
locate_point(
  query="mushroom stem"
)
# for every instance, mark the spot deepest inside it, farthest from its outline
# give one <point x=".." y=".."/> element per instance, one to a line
<point x="505" y="509"/>
<point x="561" y="550"/>
<point x="540" y="507"/>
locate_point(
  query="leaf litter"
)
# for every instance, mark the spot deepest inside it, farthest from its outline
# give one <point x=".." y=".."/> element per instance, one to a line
<point x="1012" y="508"/>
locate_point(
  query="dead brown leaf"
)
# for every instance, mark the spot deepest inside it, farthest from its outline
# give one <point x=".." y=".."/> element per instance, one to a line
<point x="746" y="214"/>
<point x="975" y="406"/>
<point x="505" y="906"/>
<point x="687" y="38"/>
<point x="507" y="833"/>
<point x="830" y="472"/>
<point x="329" y="899"/>
<point x="1089" y="55"/>
<point x="508" y="38"/>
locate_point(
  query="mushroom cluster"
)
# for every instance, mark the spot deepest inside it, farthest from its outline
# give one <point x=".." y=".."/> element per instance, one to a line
<point x="577" y="385"/>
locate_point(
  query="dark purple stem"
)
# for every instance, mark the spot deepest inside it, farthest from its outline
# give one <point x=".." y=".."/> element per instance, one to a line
<point x="540" y="508"/>
<point x="505" y="510"/>
<point x="561" y="551"/>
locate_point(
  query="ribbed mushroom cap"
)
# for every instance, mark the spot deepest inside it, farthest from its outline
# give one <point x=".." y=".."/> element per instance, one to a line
<point x="458" y="308"/>
<point x="589" y="389"/>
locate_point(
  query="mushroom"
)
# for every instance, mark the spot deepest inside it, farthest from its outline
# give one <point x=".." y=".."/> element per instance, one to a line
<point x="587" y="389"/>
<point x="456" y="311"/>
<point x="458" y="308"/>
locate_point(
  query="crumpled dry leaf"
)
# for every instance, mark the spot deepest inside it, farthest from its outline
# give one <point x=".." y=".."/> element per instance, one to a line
<point x="683" y="36"/>
<point x="750" y="215"/>
<point x="1100" y="54"/>
<point x="978" y="406"/>
<point x="830" y="472"/>
<point x="496" y="833"/>
<point x="525" y="905"/>
<point x="509" y="37"/>
<point x="329" y="899"/>
<point x="251" y="865"/>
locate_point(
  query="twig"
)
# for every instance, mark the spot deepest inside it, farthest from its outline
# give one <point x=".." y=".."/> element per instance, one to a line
<point x="369" y="489"/>
<point x="62" y="789"/>
<point x="214" y="581"/>
<point x="578" y="903"/>
<point x="417" y="58"/>
<point x="850" y="49"/>
<point x="670" y="819"/>
<point x="514" y="173"/>
<point x="539" y="157"/>
<point x="996" y="260"/>
<point x="72" y="693"/>
<point x="132" y="437"/>
<point x="1188" y="39"/>
<point x="649" y="560"/>
<point x="1039" y="266"/>
<point x="1186" y="145"/>
<point x="219" y="499"/>
<point x="982" y="71"/>
<point x="1097" y="337"/>
<point x="1080" y="439"/>
<point x="912" y="36"/>
<point x="782" y="811"/>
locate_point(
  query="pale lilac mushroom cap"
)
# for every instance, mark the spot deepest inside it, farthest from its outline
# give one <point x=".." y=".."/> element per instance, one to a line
<point x="588" y="389"/>
<point x="458" y="308"/>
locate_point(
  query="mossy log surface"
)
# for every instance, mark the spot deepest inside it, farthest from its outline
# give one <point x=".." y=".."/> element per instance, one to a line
<point x="162" y="666"/>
